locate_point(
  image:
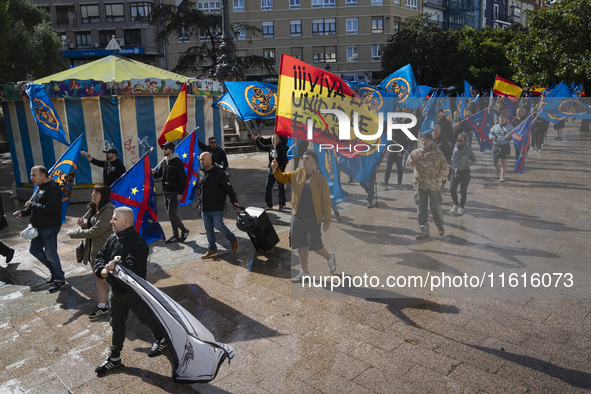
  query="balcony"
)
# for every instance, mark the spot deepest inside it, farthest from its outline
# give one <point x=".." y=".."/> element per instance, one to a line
<point x="65" y="21"/>
<point x="441" y="4"/>
<point x="500" y="17"/>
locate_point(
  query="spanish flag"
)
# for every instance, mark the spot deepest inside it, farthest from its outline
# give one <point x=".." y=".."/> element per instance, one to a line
<point x="300" y="82"/>
<point x="176" y="124"/>
<point x="504" y="87"/>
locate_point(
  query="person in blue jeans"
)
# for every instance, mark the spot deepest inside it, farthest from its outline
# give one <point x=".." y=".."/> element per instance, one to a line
<point x="214" y="186"/>
<point x="45" y="209"/>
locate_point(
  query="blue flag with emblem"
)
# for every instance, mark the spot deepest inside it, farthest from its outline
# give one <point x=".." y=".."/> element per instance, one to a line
<point x="429" y="115"/>
<point x="135" y="189"/>
<point x="64" y="171"/>
<point x="561" y="103"/>
<point x="227" y="104"/>
<point x="469" y="90"/>
<point x="403" y="83"/>
<point x="45" y="114"/>
<point x="188" y="151"/>
<point x="361" y="163"/>
<point x="252" y="99"/>
<point x="329" y="167"/>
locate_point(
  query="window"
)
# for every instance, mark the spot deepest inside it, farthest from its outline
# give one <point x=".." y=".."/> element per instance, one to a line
<point x="269" y="54"/>
<point x="298" y="53"/>
<point x="295" y="28"/>
<point x="376" y="52"/>
<point x="266" y="5"/>
<point x="324" y="27"/>
<point x="209" y="7"/>
<point x="240" y="33"/>
<point x="268" y="29"/>
<point x="396" y="26"/>
<point x="496" y="11"/>
<point x="184" y="35"/>
<point x="377" y="2"/>
<point x="323" y="3"/>
<point x="325" y="54"/>
<point x="114" y="12"/>
<point x="140" y="11"/>
<point x="83" y="40"/>
<point x="105" y="37"/>
<point x="132" y="37"/>
<point x="396" y="2"/>
<point x="65" y="15"/>
<point x="352" y="25"/>
<point x="411" y="4"/>
<point x="377" y="24"/>
<point x="351" y="3"/>
<point x="238" y="5"/>
<point x="90" y="13"/>
<point x="352" y="54"/>
<point x="295" y="4"/>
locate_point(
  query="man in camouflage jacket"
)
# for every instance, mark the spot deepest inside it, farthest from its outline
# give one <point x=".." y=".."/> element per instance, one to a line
<point x="430" y="168"/>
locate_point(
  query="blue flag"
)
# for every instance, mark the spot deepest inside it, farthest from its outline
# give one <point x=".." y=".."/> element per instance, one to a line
<point x="361" y="164"/>
<point x="560" y="103"/>
<point x="188" y="151"/>
<point x="227" y="104"/>
<point x="461" y="104"/>
<point x="45" y="114"/>
<point x="63" y="173"/>
<point x="329" y="168"/>
<point x="521" y="139"/>
<point x="469" y="90"/>
<point x="403" y="83"/>
<point x="444" y="104"/>
<point x="252" y="99"/>
<point x="481" y="124"/>
<point x="430" y="115"/>
<point x="424" y="90"/>
<point x="135" y="189"/>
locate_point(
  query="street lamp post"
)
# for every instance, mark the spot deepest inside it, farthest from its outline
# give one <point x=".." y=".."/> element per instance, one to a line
<point x="227" y="67"/>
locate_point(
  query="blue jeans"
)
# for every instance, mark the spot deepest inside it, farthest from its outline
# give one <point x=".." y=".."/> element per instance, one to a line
<point x="215" y="219"/>
<point x="44" y="248"/>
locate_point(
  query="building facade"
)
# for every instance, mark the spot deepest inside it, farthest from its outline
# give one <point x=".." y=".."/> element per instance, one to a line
<point x="343" y="36"/>
<point x="86" y="27"/>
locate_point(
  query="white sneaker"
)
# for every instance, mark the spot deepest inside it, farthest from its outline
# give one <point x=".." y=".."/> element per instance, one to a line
<point x="460" y="211"/>
<point x="454" y="209"/>
<point x="332" y="263"/>
<point x="299" y="276"/>
<point x="501" y="179"/>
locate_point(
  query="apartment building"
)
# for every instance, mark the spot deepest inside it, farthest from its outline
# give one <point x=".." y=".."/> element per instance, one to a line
<point x="86" y="27"/>
<point x="505" y="13"/>
<point x="343" y="36"/>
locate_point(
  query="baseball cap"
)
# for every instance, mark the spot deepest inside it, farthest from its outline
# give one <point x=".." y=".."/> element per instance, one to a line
<point x="168" y="145"/>
<point x="428" y="136"/>
<point x="112" y="150"/>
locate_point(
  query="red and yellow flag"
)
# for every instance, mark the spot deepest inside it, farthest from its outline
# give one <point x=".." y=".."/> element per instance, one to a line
<point x="504" y="87"/>
<point x="176" y="124"/>
<point x="300" y="81"/>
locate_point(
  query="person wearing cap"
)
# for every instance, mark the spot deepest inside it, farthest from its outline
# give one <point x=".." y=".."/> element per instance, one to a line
<point x="113" y="167"/>
<point x="174" y="182"/>
<point x="430" y="168"/>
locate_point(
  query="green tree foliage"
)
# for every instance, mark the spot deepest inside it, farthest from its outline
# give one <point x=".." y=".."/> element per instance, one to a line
<point x="556" y="46"/>
<point x="186" y="19"/>
<point x="29" y="48"/>
<point x="449" y="56"/>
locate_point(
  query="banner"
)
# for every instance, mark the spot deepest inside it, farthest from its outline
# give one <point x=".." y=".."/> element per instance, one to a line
<point x="45" y="114"/>
<point x="329" y="167"/>
<point x="481" y="124"/>
<point x="250" y="99"/>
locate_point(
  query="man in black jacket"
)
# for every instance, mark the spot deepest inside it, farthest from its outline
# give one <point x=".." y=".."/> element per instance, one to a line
<point x="277" y="149"/>
<point x="126" y="243"/>
<point x="174" y="182"/>
<point x="113" y="167"/>
<point x="213" y="188"/>
<point x="45" y="209"/>
<point x="218" y="155"/>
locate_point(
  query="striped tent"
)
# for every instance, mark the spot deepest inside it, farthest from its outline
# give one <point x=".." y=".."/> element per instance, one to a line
<point x="130" y="124"/>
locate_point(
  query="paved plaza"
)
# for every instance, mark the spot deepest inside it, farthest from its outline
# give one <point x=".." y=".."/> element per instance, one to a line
<point x="521" y="338"/>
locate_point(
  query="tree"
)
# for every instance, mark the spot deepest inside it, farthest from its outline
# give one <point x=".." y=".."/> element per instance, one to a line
<point x="556" y="45"/>
<point x="185" y="19"/>
<point x="29" y="48"/>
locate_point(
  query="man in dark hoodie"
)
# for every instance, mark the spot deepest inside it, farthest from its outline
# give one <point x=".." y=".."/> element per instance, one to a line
<point x="174" y="182"/>
<point x="45" y="209"/>
<point x="112" y="166"/>
<point x="133" y="250"/>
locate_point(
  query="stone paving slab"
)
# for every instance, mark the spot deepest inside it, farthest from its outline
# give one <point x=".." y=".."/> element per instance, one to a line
<point x="290" y="339"/>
